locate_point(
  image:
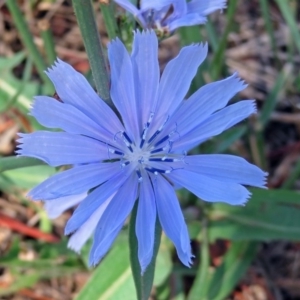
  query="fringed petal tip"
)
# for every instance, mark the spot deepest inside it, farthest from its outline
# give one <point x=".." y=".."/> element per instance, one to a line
<point x="114" y="42"/>
<point x="188" y="260"/>
<point x="56" y="67"/>
<point x="222" y="5"/>
<point x="254" y="106"/>
<point x="242" y="83"/>
<point x="31" y="197"/>
<point x="68" y="229"/>
<point x="244" y="200"/>
<point x="203" y="45"/>
<point x="147" y="31"/>
<point x="92" y="263"/>
<point x="74" y="246"/>
<point x="265" y="180"/>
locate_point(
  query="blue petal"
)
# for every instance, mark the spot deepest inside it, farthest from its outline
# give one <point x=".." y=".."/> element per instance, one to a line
<point x="127" y="5"/>
<point x="227" y="168"/>
<point x="146" y="70"/>
<point x="204" y="102"/>
<point x="80" y="237"/>
<point x="56" y="207"/>
<point x="61" y="148"/>
<point x="74" y="181"/>
<point x="177" y="77"/>
<point x="95" y="199"/>
<point x="155" y="4"/>
<point x="171" y="218"/>
<point x="216" y="124"/>
<point x="74" y="89"/>
<point x="123" y="88"/>
<point x="180" y="8"/>
<point x="189" y="19"/>
<point x="145" y="223"/>
<point x="54" y="114"/>
<point x="113" y="219"/>
<point x="210" y="189"/>
<point x="205" y="7"/>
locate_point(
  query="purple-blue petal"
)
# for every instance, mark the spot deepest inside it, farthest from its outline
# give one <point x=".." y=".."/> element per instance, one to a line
<point x="74" y="181"/>
<point x="95" y="199"/>
<point x="61" y="148"/>
<point x="74" y="89"/>
<point x="113" y="219"/>
<point x="215" y="124"/>
<point x="171" y="218"/>
<point x="205" y="7"/>
<point x="123" y="87"/>
<point x="56" y="207"/>
<point x="226" y="168"/>
<point x="209" y="189"/>
<point x="54" y="114"/>
<point x="155" y="4"/>
<point x="146" y="70"/>
<point x="180" y="8"/>
<point x="145" y="222"/>
<point x="189" y="19"/>
<point x="176" y="80"/>
<point x="205" y="101"/>
<point x="80" y="237"/>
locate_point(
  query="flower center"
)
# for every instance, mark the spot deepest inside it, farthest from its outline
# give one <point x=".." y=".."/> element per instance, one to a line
<point x="151" y="153"/>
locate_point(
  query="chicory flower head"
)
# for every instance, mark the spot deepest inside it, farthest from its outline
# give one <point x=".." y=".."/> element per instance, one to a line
<point x="168" y="15"/>
<point x="141" y="156"/>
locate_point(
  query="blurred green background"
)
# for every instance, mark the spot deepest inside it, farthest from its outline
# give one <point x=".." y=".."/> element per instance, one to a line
<point x="241" y="253"/>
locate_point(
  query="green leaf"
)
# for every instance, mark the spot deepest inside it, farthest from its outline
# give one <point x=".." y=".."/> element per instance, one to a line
<point x="200" y="285"/>
<point x="29" y="177"/>
<point x="112" y="279"/>
<point x="268" y="215"/>
<point x="235" y="263"/>
<point x="12" y="62"/>
<point x="288" y="14"/>
<point x="163" y="266"/>
<point x="12" y="88"/>
<point x="14" y="162"/>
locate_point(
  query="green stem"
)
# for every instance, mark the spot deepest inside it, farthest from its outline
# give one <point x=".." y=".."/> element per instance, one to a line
<point x="86" y="20"/>
<point x="143" y="283"/>
<point x="27" y="38"/>
<point x="14" y="162"/>
<point x="109" y="20"/>
<point x="47" y="37"/>
<point x="218" y="60"/>
<point x="199" y="288"/>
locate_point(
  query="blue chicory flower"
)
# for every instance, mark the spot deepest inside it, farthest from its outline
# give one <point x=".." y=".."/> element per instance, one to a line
<point x="168" y="15"/>
<point x="142" y="155"/>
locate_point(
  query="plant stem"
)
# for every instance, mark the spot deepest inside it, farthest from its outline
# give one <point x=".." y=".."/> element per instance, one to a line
<point x="47" y="37"/>
<point x="87" y="23"/>
<point x="109" y="20"/>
